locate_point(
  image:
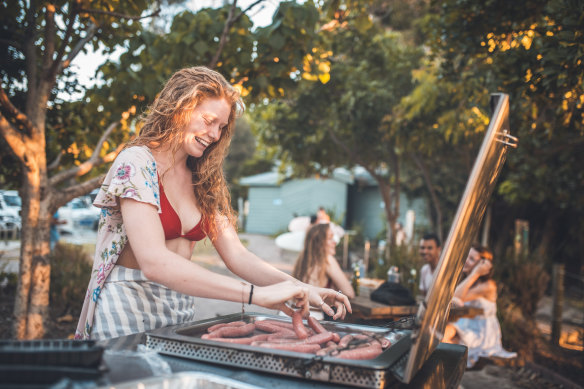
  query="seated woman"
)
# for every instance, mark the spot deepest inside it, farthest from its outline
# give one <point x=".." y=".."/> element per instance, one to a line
<point x="481" y="334"/>
<point x="316" y="265"/>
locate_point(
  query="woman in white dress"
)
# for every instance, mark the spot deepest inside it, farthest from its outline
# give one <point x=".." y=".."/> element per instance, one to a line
<point x="482" y="333"/>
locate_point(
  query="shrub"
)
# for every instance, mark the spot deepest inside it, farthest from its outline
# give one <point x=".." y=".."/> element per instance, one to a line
<point x="407" y="261"/>
<point x="70" y="272"/>
<point x="523" y="281"/>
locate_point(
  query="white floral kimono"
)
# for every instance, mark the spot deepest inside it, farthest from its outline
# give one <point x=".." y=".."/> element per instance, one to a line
<point x="132" y="175"/>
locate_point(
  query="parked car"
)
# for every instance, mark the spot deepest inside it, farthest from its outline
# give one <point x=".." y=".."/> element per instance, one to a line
<point x="78" y="213"/>
<point x="10" y="221"/>
<point x="12" y="199"/>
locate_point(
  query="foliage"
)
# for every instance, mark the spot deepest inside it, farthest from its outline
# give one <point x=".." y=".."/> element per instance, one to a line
<point x="533" y="51"/>
<point x="69" y="278"/>
<point x="405" y="258"/>
<point x="336" y="121"/>
<point x="241" y="150"/>
<point x="522" y="281"/>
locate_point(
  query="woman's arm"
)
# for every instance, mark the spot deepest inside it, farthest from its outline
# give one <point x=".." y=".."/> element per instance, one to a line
<point x="336" y="274"/>
<point x="250" y="267"/>
<point x="466" y="292"/>
<point x="159" y="264"/>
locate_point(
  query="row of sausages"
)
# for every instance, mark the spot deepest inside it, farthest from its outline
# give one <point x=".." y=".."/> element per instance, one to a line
<point x="295" y="336"/>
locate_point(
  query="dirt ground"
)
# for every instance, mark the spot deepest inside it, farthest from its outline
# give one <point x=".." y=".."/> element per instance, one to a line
<point x="553" y="367"/>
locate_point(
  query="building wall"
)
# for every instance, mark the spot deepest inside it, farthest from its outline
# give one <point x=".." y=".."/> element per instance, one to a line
<point x="368" y="210"/>
<point x="272" y="208"/>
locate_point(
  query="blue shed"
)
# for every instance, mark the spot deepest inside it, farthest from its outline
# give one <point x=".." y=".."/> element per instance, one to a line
<point x="352" y="197"/>
<point x="274" y="201"/>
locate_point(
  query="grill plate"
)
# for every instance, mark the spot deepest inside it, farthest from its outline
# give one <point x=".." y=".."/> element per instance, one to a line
<point x="185" y="341"/>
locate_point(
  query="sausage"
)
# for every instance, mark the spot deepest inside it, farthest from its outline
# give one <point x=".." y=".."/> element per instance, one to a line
<point x="231" y="332"/>
<point x="344" y="342"/>
<point x="330" y="347"/>
<point x="299" y="328"/>
<point x="314" y="339"/>
<point x="221" y="325"/>
<point x="385" y="343"/>
<point x="283" y="335"/>
<point x="255" y="338"/>
<point x="319" y="329"/>
<point x="315" y="325"/>
<point x="284" y="324"/>
<point x="370" y="351"/>
<point x="267" y="327"/>
<point x="300" y="348"/>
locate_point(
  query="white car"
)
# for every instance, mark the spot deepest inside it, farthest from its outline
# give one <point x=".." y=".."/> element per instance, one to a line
<point x="12" y="199"/>
<point x="9" y="215"/>
<point x="78" y="213"/>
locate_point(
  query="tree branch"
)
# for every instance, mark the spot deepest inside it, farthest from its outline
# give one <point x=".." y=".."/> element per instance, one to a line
<point x="224" y="35"/>
<point x="11" y="43"/>
<point x="13" y="138"/>
<point x="94" y="160"/>
<point x="30" y="57"/>
<point x="117" y="14"/>
<point x="74" y="191"/>
<point x="428" y="181"/>
<point x="49" y="37"/>
<point x="248" y="9"/>
<point x="53" y="165"/>
<point x="354" y="157"/>
<point x="55" y="67"/>
<point x="90" y="33"/>
<point x="13" y="112"/>
<point x="231" y="20"/>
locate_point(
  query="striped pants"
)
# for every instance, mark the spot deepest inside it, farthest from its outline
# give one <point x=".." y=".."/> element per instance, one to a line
<point x="130" y="303"/>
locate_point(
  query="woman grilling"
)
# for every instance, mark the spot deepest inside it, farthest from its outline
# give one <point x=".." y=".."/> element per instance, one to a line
<point x="164" y="192"/>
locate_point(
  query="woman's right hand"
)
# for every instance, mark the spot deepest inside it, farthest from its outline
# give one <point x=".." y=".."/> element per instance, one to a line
<point x="483" y="267"/>
<point x="275" y="297"/>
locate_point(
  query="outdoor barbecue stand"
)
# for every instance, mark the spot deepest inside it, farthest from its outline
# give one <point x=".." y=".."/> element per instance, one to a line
<point x="416" y="358"/>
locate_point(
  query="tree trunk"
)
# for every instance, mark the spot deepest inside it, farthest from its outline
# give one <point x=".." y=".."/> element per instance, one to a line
<point x="433" y="197"/>
<point x="32" y="299"/>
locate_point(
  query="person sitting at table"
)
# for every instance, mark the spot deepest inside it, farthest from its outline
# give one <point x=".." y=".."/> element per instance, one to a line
<point x="317" y="265"/>
<point x="429" y="250"/>
<point x="482" y="333"/>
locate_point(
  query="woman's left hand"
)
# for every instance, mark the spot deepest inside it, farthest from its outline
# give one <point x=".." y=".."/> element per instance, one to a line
<point x="276" y="296"/>
<point x="327" y="298"/>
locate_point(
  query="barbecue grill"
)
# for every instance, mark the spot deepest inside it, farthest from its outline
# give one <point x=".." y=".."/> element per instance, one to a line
<point x="185" y="341"/>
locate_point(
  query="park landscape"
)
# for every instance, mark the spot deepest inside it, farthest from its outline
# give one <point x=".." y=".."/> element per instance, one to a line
<point x="400" y="88"/>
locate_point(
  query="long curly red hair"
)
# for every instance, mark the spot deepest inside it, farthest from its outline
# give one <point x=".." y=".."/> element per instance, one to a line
<point x="165" y="120"/>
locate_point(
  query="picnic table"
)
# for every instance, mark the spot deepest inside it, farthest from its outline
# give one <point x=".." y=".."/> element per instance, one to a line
<point x="368" y="311"/>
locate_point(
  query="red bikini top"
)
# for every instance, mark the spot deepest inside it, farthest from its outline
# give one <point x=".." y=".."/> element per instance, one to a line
<point x="171" y="223"/>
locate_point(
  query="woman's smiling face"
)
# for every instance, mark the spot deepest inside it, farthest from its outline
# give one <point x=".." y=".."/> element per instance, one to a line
<point x="473" y="258"/>
<point x="208" y="120"/>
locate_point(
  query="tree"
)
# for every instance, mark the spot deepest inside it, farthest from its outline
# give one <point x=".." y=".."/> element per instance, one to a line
<point x="439" y="130"/>
<point x="533" y="52"/>
<point x="38" y="44"/>
<point x="338" y="120"/>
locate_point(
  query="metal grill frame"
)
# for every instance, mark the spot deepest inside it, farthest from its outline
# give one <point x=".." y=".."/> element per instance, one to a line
<point x="373" y="373"/>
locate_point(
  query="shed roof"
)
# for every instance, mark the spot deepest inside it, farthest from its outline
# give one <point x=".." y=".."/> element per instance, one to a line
<point x="275" y="178"/>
